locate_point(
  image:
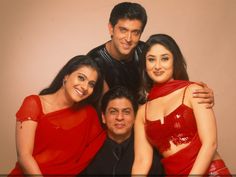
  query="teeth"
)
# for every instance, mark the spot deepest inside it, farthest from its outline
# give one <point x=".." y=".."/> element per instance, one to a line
<point x="79" y="92"/>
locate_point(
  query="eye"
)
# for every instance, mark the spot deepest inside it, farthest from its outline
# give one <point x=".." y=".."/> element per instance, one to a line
<point x="123" y="30"/>
<point x="113" y="112"/>
<point x="137" y="32"/>
<point x="166" y="58"/>
<point x="81" y="78"/>
<point x="150" y="59"/>
<point x="126" y="112"/>
<point x="91" y="84"/>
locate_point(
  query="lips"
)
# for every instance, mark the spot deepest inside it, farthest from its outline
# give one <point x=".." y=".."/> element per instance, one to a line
<point x="158" y="73"/>
<point x="126" y="46"/>
<point x="119" y="125"/>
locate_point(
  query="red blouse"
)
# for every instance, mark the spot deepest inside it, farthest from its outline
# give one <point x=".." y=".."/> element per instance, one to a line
<point x="65" y="140"/>
<point x="179" y="127"/>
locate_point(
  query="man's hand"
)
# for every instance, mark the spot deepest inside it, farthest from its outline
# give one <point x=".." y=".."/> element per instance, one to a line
<point x="206" y="94"/>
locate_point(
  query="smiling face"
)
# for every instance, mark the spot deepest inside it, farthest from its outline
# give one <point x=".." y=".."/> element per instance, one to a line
<point x="159" y="64"/>
<point x="80" y="84"/>
<point x="125" y="37"/>
<point x="119" y="118"/>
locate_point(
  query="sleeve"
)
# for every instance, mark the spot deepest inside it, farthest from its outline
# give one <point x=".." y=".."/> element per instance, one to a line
<point x="30" y="109"/>
<point x="96" y="139"/>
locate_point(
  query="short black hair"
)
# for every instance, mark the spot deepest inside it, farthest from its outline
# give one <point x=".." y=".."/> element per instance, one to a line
<point x="118" y="92"/>
<point x="128" y="10"/>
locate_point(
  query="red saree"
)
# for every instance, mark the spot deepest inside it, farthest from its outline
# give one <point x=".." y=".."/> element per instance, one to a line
<point x="65" y="140"/>
<point x="179" y="127"/>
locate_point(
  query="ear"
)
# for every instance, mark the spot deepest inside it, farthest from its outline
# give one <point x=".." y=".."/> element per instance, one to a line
<point x="103" y="118"/>
<point x="65" y="79"/>
<point x="111" y="29"/>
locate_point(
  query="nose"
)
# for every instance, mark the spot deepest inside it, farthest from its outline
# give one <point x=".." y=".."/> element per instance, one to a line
<point x="84" y="86"/>
<point x="128" y="36"/>
<point x="157" y="64"/>
<point x="119" y="117"/>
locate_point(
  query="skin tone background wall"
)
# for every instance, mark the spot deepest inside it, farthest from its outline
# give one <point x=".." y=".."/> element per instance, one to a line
<point x="38" y="37"/>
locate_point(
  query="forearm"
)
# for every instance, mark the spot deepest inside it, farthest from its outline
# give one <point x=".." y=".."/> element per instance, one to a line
<point x="204" y="159"/>
<point x="29" y="165"/>
<point x="140" y="168"/>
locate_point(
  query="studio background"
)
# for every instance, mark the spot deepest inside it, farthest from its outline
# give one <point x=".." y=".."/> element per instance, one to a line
<point x="37" y="37"/>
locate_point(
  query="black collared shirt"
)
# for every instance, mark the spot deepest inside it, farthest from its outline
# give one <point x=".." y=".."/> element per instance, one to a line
<point x="117" y="159"/>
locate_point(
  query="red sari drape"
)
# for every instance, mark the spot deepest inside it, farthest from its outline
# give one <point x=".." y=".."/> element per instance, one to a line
<point x="65" y="140"/>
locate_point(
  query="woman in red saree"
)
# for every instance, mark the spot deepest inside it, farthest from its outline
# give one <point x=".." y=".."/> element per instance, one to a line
<point x="172" y="121"/>
<point x="58" y="131"/>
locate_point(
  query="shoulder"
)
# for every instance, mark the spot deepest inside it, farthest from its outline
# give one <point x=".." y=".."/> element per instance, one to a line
<point x="193" y="86"/>
<point x="190" y="89"/>
<point x="32" y="100"/>
<point x="94" y="52"/>
<point x="140" y="46"/>
<point x="30" y="108"/>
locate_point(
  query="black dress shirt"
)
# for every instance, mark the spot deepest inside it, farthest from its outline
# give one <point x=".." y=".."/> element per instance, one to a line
<point x="117" y="159"/>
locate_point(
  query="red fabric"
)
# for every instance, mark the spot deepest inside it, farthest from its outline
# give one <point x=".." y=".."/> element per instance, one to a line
<point x="179" y="126"/>
<point x="218" y="168"/>
<point x="159" y="90"/>
<point x="65" y="140"/>
<point x="181" y="163"/>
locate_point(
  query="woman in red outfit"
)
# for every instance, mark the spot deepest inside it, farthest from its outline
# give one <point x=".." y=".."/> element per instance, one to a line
<point x="58" y="131"/>
<point x="172" y="120"/>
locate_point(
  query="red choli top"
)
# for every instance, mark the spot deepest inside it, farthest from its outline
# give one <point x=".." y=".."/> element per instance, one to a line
<point x="65" y="140"/>
<point x="179" y="127"/>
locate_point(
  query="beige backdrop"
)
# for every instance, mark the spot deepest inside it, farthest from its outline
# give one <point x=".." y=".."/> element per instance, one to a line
<point x="38" y="37"/>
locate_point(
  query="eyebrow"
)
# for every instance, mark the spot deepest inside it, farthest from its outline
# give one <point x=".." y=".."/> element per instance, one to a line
<point x="114" y="108"/>
<point x="165" y="54"/>
<point x="134" y="30"/>
<point x="83" y="75"/>
<point x="150" y="55"/>
<point x="86" y="77"/>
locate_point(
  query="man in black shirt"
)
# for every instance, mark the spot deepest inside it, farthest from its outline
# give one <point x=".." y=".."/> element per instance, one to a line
<point x="119" y="58"/>
<point x="115" y="158"/>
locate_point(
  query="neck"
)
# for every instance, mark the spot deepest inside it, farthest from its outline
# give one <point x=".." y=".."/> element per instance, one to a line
<point x="115" y="53"/>
<point x="118" y="138"/>
<point x="61" y="99"/>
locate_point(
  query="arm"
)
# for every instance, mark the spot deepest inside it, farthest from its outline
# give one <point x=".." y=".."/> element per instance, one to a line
<point x="142" y="149"/>
<point x="204" y="95"/>
<point x="25" y="133"/>
<point x="206" y="125"/>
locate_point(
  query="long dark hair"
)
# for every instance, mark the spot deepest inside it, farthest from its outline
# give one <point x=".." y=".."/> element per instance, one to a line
<point x="71" y="66"/>
<point x="180" y="67"/>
